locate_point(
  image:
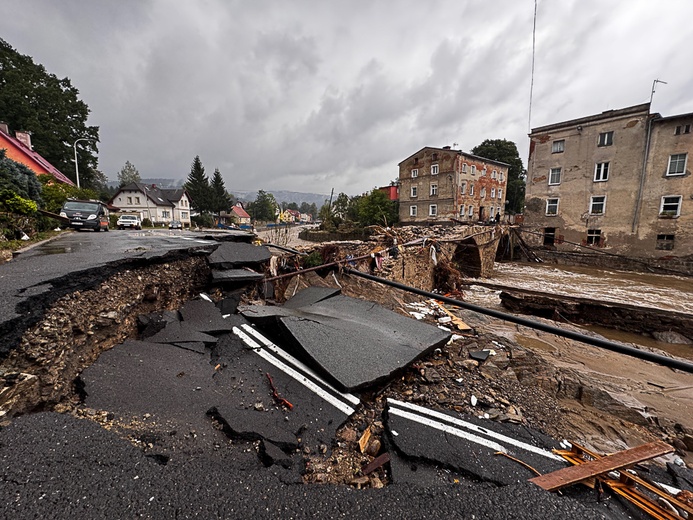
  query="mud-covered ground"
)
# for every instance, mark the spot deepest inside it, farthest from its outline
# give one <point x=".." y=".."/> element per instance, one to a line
<point x="558" y="386"/>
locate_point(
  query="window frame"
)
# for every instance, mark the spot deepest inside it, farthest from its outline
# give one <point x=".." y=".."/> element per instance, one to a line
<point x="665" y="242"/>
<point x="591" y="234"/>
<point x="593" y="203"/>
<point x="549" y="204"/>
<point x="470" y="212"/>
<point x="433" y="189"/>
<point x="601" y="171"/>
<point x="434" y="169"/>
<point x="463" y="188"/>
<point x="414" y="173"/>
<point x="671" y="159"/>
<point x="558" y="143"/>
<point x="473" y="169"/>
<point x="413" y="210"/>
<point x="414" y="192"/>
<point x="471" y="190"/>
<point x="462" y="211"/>
<point x="493" y="193"/>
<point x="608" y="138"/>
<point x="667" y="212"/>
<point x="433" y="210"/>
<point x="552" y="173"/>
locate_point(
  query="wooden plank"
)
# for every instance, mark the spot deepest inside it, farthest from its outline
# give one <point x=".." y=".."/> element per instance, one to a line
<point x="574" y="474"/>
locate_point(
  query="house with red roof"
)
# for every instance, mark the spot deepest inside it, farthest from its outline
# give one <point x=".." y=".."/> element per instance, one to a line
<point x="240" y="214"/>
<point x="19" y="149"/>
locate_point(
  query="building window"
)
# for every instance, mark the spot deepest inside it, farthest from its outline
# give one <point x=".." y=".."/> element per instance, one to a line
<point x="471" y="190"/>
<point x="501" y="177"/>
<point x="483" y="172"/>
<point x="137" y="200"/>
<point x="414" y="173"/>
<point x="434" y="169"/>
<point x="413" y="191"/>
<point x="594" y="237"/>
<point x="464" y="167"/>
<point x="597" y="204"/>
<point x="665" y="242"/>
<point x="462" y="210"/>
<point x="482" y="193"/>
<point x="670" y="206"/>
<point x="549" y="236"/>
<point x="500" y="193"/>
<point x="129" y="200"/>
<point x="558" y="146"/>
<point x="184" y="214"/>
<point x="412" y="211"/>
<point x="434" y="156"/>
<point x="677" y="164"/>
<point x="473" y="169"/>
<point x="605" y="139"/>
<point x="554" y="176"/>
<point x="685" y="129"/>
<point x="494" y="174"/>
<point x="165" y="214"/>
<point x="601" y="172"/>
<point x="471" y="211"/>
<point x="463" y="188"/>
<point x="433" y="210"/>
<point x="493" y="193"/>
<point x="434" y="188"/>
<point x="552" y="206"/>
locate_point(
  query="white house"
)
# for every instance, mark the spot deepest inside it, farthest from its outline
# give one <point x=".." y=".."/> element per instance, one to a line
<point x="161" y="206"/>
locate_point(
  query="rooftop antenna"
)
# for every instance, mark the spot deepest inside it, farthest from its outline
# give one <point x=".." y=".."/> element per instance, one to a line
<point x="654" y="85"/>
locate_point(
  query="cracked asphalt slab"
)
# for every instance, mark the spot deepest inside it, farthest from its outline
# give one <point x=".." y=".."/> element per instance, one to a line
<point x="191" y="428"/>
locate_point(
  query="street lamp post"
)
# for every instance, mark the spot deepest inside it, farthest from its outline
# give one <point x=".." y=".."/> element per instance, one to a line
<point x="74" y="145"/>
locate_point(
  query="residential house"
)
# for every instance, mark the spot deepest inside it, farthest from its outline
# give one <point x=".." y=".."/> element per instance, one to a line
<point x="439" y="184"/>
<point x="238" y="215"/>
<point x="161" y="206"/>
<point x="618" y="180"/>
<point x="391" y="191"/>
<point x="20" y="150"/>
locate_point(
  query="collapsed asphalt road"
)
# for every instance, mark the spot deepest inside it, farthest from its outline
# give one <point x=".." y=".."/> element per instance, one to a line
<point x="205" y="415"/>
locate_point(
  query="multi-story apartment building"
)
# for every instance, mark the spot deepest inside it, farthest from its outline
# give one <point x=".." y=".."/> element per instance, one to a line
<point x="437" y="184"/>
<point x="618" y="180"/>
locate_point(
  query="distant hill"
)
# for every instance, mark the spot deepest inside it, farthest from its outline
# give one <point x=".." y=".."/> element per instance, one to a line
<point x="160" y="183"/>
<point x="284" y="196"/>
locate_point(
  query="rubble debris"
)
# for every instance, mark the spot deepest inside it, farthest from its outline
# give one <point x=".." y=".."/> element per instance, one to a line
<point x="235" y="275"/>
<point x="230" y="255"/>
<point x="468" y="445"/>
<point x="180" y="332"/>
<point x="204" y="316"/>
<point x="376" y="463"/>
<point x="356" y="343"/>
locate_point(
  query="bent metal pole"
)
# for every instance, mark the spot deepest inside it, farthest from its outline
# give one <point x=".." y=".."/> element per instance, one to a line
<point x="597" y="342"/>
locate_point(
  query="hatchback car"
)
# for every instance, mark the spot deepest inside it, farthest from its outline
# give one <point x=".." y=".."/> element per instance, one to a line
<point x="129" y="221"/>
<point x="175" y="224"/>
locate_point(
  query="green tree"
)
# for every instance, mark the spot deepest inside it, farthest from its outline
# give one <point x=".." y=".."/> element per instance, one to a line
<point x="198" y="187"/>
<point x="18" y="179"/>
<point x="220" y="199"/>
<point x="33" y="99"/>
<point x="55" y="194"/>
<point x="376" y="208"/>
<point x="340" y="206"/>
<point x="506" y="151"/>
<point x="128" y="174"/>
<point x="264" y="208"/>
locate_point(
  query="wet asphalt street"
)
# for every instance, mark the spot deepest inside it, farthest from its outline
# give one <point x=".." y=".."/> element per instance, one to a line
<point x="58" y="466"/>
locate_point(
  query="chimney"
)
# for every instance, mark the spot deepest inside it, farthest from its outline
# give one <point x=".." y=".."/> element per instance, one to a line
<point x="4" y="128"/>
<point x="24" y="137"/>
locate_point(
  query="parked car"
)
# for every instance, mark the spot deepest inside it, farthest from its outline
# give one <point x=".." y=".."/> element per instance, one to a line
<point x="86" y="214"/>
<point x="175" y="224"/>
<point x="129" y="221"/>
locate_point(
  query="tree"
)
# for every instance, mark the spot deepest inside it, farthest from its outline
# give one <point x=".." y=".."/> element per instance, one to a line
<point x="128" y="174"/>
<point x="264" y="208"/>
<point x="506" y="151"/>
<point x="19" y="179"/>
<point x="198" y="187"/>
<point x="33" y="99"/>
<point x="377" y="208"/>
<point x="220" y="199"/>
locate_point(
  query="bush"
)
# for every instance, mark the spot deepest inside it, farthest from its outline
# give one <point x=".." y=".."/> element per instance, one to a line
<point x="13" y="203"/>
<point x="203" y="220"/>
<point x="146" y="223"/>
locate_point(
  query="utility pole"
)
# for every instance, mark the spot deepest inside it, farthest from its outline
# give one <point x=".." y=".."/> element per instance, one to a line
<point x="74" y="145"/>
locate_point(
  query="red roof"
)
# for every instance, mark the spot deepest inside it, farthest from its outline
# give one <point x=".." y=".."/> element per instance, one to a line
<point x="240" y="212"/>
<point x="19" y="152"/>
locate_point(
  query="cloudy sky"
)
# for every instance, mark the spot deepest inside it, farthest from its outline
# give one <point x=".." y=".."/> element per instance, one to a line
<point x="313" y="95"/>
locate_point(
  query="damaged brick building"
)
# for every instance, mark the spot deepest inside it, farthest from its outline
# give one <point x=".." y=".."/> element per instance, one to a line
<point x="619" y="180"/>
<point x="436" y="184"/>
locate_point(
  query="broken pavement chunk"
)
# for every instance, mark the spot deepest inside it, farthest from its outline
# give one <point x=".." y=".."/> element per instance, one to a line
<point x="480" y="355"/>
<point x="235" y="275"/>
<point x="204" y="316"/>
<point x="235" y="254"/>
<point x="177" y="332"/>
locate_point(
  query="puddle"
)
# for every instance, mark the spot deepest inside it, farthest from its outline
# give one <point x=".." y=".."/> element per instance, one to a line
<point x="54" y="250"/>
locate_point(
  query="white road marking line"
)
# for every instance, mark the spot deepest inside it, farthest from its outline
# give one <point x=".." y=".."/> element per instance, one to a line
<point x="288" y="357"/>
<point x="448" y="429"/>
<point x="477" y="429"/>
<point x="343" y="407"/>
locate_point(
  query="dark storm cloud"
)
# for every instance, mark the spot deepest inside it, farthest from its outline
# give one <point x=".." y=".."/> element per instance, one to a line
<point x="310" y="96"/>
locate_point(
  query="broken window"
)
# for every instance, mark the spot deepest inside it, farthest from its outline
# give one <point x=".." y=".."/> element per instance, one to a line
<point x="414" y="173"/>
<point x="412" y="211"/>
<point x="665" y="242"/>
<point x="605" y="139"/>
<point x="433" y="210"/>
<point x="597" y="204"/>
<point x="434" y="169"/>
<point x="670" y="206"/>
<point x="594" y="237"/>
<point x="434" y="188"/>
<point x="601" y="172"/>
<point x="558" y="146"/>
<point x="552" y="206"/>
<point x="554" y="176"/>
<point x="414" y="191"/>
<point x="549" y="236"/>
<point x="677" y="164"/>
